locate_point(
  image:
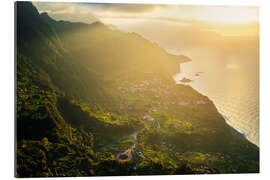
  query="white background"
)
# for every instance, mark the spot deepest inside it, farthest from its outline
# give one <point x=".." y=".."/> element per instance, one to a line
<point x="7" y="89"/>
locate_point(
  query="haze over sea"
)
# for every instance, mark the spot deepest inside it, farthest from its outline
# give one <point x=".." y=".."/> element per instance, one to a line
<point x="229" y="64"/>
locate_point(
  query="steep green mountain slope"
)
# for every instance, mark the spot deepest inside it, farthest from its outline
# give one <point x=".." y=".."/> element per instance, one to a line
<point x="83" y="89"/>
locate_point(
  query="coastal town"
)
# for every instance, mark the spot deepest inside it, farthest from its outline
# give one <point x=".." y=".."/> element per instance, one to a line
<point x="151" y="95"/>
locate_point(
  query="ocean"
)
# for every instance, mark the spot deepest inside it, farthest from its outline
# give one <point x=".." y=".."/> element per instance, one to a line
<point x="233" y="86"/>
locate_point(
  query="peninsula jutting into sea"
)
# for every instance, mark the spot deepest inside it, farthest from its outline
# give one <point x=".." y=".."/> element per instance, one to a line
<point x="95" y="98"/>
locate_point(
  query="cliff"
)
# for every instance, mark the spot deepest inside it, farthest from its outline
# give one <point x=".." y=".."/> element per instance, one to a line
<point x="82" y="89"/>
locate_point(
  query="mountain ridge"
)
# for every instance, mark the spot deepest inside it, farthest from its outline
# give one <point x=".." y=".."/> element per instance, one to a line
<point x="76" y="81"/>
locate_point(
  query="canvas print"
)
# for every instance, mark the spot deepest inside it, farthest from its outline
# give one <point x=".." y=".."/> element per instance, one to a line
<point x="136" y="89"/>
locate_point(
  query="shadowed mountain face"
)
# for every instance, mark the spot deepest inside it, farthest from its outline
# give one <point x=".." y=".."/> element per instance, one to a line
<point x="89" y="48"/>
<point x="83" y="89"/>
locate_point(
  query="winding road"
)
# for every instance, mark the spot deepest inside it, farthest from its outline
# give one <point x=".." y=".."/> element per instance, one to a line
<point x="127" y="154"/>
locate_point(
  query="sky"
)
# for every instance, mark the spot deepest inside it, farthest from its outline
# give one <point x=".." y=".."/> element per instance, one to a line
<point x="88" y="12"/>
<point x="179" y="29"/>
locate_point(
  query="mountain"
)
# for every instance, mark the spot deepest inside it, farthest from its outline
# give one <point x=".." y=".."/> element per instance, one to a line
<point x="87" y="95"/>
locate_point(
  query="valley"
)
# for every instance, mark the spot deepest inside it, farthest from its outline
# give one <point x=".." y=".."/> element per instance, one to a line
<point x="84" y="108"/>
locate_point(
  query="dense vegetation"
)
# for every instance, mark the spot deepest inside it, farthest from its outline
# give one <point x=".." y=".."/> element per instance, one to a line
<point x="86" y="93"/>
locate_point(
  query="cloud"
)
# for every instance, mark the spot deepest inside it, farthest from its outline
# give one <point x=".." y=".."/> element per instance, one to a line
<point x="91" y="12"/>
<point x="125" y="8"/>
<point x="66" y="11"/>
<point x="176" y="28"/>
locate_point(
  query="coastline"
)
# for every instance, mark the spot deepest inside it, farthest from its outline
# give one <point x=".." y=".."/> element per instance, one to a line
<point x="239" y="132"/>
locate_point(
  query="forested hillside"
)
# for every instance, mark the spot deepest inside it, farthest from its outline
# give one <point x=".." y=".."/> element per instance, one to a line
<point x="85" y="93"/>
